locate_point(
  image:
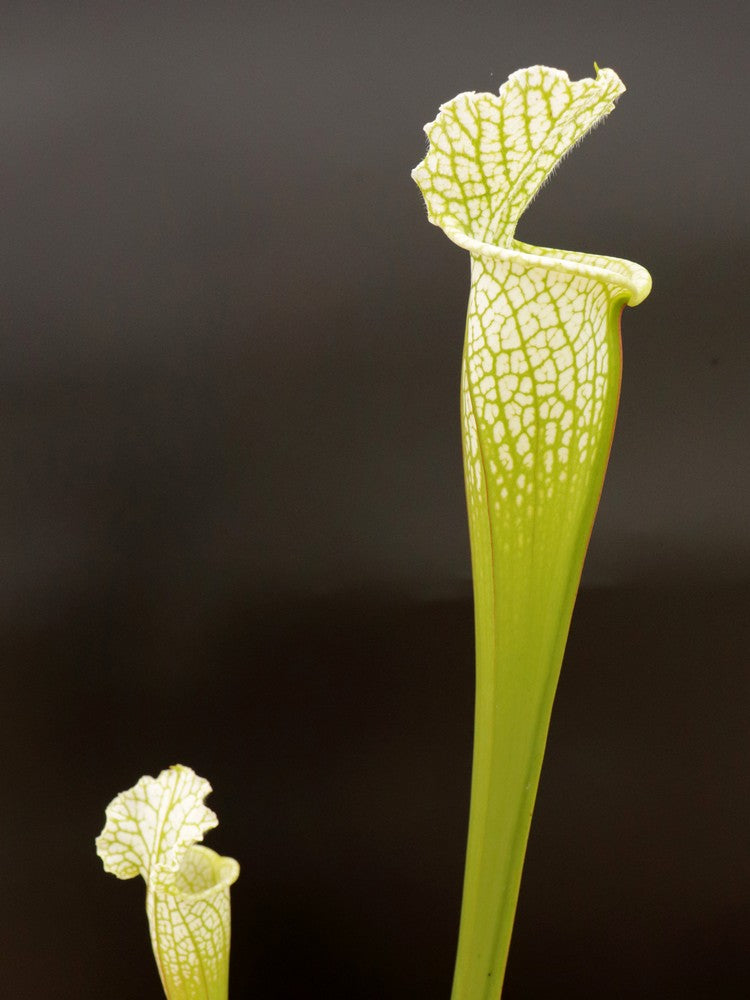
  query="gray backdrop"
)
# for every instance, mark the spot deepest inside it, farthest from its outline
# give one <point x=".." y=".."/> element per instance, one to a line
<point x="229" y="380"/>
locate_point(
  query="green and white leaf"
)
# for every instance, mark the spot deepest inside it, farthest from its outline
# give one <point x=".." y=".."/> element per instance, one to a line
<point x="153" y="830"/>
<point x="539" y="392"/>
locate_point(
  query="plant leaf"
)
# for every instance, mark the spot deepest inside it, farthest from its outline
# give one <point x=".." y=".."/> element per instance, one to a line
<point x="152" y="830"/>
<point x="539" y="391"/>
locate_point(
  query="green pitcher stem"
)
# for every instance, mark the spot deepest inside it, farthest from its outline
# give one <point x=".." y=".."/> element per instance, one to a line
<point x="522" y="616"/>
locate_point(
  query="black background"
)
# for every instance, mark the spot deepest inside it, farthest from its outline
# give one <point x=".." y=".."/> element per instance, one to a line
<point x="232" y="518"/>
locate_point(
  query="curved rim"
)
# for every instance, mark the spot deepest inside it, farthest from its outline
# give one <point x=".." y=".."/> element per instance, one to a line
<point x="637" y="286"/>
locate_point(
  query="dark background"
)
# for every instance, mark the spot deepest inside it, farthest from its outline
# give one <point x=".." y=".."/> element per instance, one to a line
<point x="232" y="517"/>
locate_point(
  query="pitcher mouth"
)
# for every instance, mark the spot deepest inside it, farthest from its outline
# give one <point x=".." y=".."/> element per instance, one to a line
<point x="202" y="874"/>
<point x="634" y="280"/>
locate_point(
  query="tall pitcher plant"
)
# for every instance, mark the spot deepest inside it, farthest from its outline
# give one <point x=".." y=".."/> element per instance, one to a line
<point x="540" y="384"/>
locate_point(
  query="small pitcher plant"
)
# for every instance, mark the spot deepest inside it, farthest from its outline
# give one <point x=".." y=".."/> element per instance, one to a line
<point x="539" y="391"/>
<point x="153" y="830"/>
